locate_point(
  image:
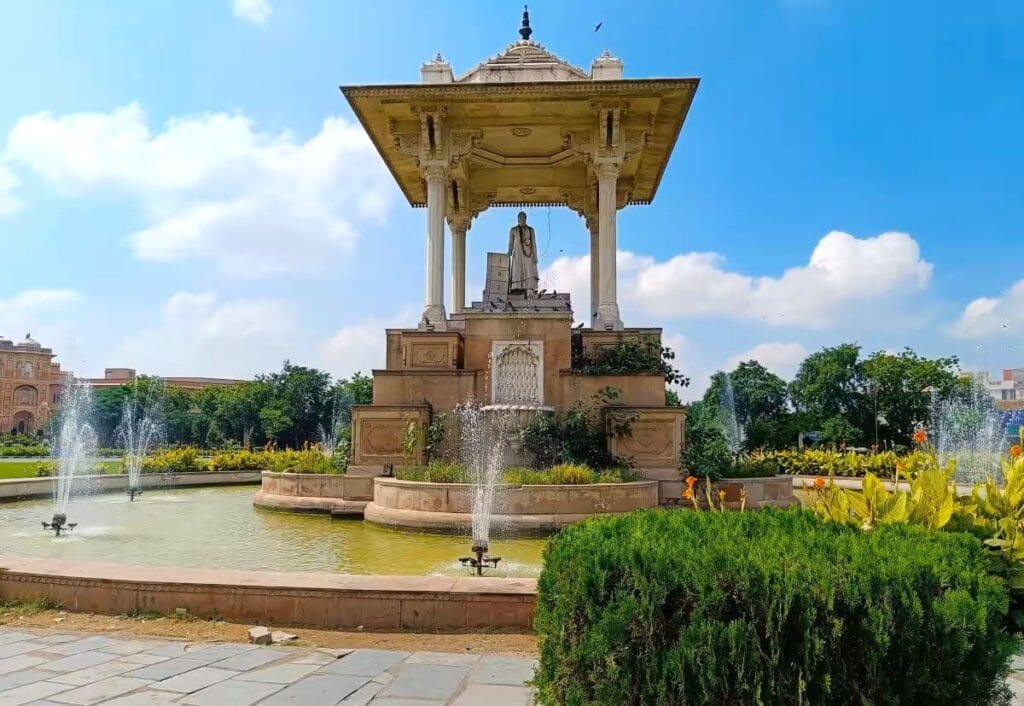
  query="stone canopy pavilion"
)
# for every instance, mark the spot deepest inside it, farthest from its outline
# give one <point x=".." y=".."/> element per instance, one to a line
<point x="524" y="128"/>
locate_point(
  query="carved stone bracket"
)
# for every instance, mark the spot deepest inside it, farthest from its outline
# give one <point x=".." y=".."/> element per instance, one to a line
<point x="480" y="201"/>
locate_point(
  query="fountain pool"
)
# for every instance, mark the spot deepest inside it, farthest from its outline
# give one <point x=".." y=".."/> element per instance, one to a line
<point x="220" y="528"/>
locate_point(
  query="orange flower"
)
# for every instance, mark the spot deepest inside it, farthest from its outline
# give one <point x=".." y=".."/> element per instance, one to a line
<point x="687" y="494"/>
<point x="920" y="437"/>
<point x="691" y="481"/>
<point x="819" y="482"/>
<point x="1016" y="450"/>
<point x="721" y="495"/>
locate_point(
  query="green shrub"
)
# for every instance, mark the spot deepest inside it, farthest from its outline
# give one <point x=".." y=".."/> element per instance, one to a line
<point x="183" y="460"/>
<point x="580" y="436"/>
<point x="774" y="607"/>
<point x="628" y="356"/>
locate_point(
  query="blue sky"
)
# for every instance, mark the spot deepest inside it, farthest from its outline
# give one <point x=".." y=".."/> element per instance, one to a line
<point x="183" y="189"/>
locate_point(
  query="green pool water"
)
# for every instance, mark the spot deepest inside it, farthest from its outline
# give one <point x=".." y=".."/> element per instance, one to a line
<point x="220" y="528"/>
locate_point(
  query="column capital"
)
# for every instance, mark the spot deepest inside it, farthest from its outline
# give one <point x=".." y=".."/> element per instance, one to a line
<point x="608" y="169"/>
<point x="459" y="223"/>
<point x="434" y="172"/>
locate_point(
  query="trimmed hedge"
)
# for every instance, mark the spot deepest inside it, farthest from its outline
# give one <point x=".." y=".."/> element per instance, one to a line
<point x="773" y="607"/>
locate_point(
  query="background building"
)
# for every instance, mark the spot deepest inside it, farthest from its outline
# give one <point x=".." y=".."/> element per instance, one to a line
<point x="30" y="385"/>
<point x="112" y="377"/>
<point x="1007" y="390"/>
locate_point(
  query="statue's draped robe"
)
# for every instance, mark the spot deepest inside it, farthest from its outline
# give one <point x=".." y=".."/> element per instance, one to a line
<point x="522" y="250"/>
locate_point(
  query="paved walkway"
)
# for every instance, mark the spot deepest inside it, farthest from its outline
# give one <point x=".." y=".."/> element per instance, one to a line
<point x="46" y="668"/>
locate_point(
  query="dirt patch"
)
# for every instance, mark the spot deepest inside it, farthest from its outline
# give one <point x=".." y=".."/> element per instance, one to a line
<point x="217" y="631"/>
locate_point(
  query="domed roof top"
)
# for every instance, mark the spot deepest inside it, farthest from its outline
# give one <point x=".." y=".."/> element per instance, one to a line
<point x="29" y="342"/>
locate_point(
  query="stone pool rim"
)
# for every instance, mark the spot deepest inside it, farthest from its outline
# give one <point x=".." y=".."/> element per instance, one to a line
<point x="315" y="600"/>
<point x="12" y="489"/>
<point x="446" y="507"/>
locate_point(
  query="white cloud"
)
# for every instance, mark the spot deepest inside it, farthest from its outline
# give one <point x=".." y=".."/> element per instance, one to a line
<point x="989" y="317"/>
<point x="199" y="335"/>
<point x="50" y="315"/>
<point x="9" y="203"/>
<point x="354" y="348"/>
<point x="842" y="271"/>
<point x="30" y="306"/>
<point x="255" y="11"/>
<point x="216" y="189"/>
<point x="783" y="359"/>
<point x="360" y="346"/>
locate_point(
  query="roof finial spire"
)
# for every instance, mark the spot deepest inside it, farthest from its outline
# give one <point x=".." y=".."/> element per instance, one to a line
<point x="524" y="30"/>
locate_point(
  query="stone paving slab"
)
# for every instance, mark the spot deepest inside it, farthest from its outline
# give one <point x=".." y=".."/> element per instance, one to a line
<point x="31" y="692"/>
<point x="425" y="681"/>
<point x="101" y="691"/>
<point x="318" y="689"/>
<point x="64" y="669"/>
<point x="194" y="680"/>
<point x="233" y="692"/>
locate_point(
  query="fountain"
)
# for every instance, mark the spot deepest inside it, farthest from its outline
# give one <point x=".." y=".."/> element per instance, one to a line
<point x="139" y="431"/>
<point x="483" y="441"/>
<point x="968" y="429"/>
<point x="727" y="416"/>
<point x="73" y="452"/>
<point x="341" y="418"/>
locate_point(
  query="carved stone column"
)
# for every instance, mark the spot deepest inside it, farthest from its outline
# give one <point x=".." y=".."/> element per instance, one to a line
<point x="458" y="227"/>
<point x="608" y="303"/>
<point x="433" y="309"/>
<point x="595" y="267"/>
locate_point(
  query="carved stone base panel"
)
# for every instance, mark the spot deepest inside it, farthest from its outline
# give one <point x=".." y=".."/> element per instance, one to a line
<point x="379" y="434"/>
<point x="656" y="435"/>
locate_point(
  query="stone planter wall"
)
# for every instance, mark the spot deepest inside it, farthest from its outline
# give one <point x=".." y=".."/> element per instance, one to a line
<point x="314" y="492"/>
<point x="774" y="491"/>
<point x="448" y="506"/>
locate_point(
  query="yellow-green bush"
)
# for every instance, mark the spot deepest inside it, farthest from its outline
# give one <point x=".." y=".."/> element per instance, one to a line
<point x="241" y="460"/>
<point x="562" y="474"/>
<point x="310" y="459"/>
<point x="815" y="462"/>
<point x="183" y="460"/>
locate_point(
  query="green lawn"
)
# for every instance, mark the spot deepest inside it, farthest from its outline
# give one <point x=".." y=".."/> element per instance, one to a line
<point x="27" y="469"/>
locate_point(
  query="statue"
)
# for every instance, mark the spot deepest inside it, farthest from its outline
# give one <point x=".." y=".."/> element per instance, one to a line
<point x="522" y="254"/>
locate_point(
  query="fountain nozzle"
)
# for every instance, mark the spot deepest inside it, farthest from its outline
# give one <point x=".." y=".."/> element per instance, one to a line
<point x="59" y="523"/>
<point x="133" y="493"/>
<point x="481" y="560"/>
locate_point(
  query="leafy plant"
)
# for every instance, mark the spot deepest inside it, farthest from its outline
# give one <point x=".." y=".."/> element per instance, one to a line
<point x="580" y="436"/>
<point x="774" y="607"/>
<point x="706" y="452"/>
<point x="644" y="354"/>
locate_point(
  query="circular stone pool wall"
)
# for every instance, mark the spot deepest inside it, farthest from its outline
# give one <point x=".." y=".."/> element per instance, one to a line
<point x="518" y="508"/>
<point x="314" y="492"/>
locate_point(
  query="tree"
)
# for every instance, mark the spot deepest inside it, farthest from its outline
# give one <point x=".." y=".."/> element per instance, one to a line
<point x="829" y="390"/>
<point x="301" y="402"/>
<point x="761" y="401"/>
<point x="901" y="388"/>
